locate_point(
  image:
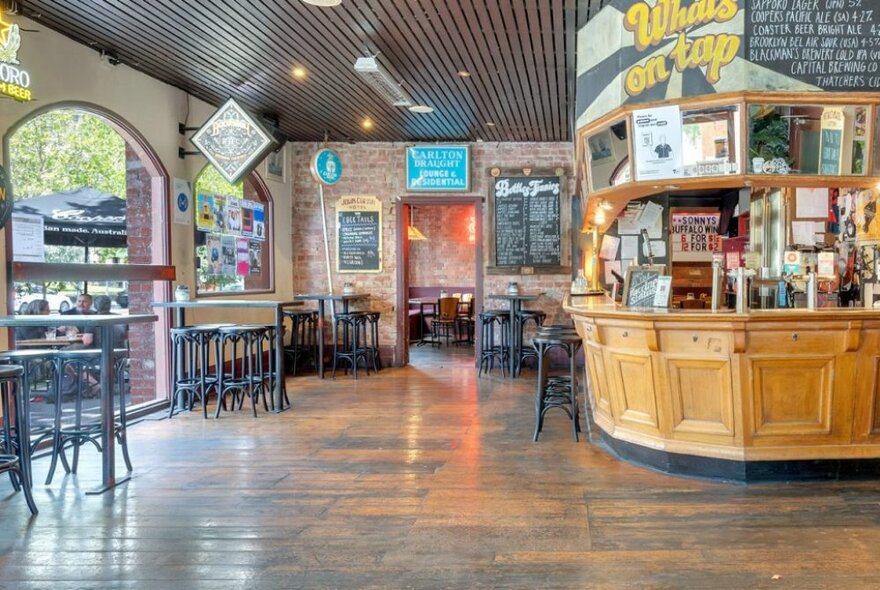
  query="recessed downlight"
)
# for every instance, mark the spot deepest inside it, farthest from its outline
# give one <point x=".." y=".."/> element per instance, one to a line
<point x="490" y="124"/>
<point x="367" y="123"/>
<point x="299" y="72"/>
<point x="463" y="73"/>
<point x="421" y="108"/>
<point x="323" y="2"/>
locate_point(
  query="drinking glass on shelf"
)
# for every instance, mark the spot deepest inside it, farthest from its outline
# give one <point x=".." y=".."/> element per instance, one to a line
<point x="51" y="333"/>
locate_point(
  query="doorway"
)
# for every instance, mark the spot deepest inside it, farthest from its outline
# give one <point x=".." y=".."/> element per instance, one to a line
<point x="448" y="261"/>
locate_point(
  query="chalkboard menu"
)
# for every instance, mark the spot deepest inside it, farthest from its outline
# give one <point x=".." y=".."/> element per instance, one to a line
<point x="527" y="221"/>
<point x="829" y="162"/>
<point x="641" y="286"/>
<point x="359" y="234"/>
<point x="830" y="44"/>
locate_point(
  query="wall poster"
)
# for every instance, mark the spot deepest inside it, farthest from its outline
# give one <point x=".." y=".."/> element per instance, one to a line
<point x="657" y="143"/>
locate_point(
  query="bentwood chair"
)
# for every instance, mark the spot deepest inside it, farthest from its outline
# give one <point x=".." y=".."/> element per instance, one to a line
<point x="444" y="323"/>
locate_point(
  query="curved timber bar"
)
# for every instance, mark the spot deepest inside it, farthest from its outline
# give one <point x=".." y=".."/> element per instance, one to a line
<point x="777" y="394"/>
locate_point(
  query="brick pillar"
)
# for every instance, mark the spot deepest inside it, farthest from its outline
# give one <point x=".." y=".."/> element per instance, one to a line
<point x="140" y="293"/>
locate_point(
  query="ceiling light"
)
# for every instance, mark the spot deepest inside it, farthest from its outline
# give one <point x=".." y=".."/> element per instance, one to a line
<point x="490" y="124"/>
<point x="299" y="72"/>
<point x="381" y="81"/>
<point x="421" y="108"/>
<point x="367" y="123"/>
<point x="323" y="2"/>
<point x="463" y="73"/>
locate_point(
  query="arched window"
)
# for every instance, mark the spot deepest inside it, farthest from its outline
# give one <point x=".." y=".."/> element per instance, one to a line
<point x="99" y="193"/>
<point x="233" y="235"/>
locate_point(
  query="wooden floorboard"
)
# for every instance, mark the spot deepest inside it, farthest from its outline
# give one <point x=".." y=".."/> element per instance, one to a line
<point x="424" y="477"/>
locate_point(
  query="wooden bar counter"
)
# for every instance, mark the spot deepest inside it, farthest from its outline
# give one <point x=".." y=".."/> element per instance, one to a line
<point x="777" y="394"/>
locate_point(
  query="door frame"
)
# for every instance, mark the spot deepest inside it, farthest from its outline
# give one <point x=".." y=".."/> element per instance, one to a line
<point x="402" y="207"/>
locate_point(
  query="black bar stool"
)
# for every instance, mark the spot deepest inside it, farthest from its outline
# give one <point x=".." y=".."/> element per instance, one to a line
<point x="186" y="373"/>
<point x="303" y="339"/>
<point x="15" y="452"/>
<point x="267" y="372"/>
<point x="79" y="365"/>
<point x="489" y="350"/>
<point x="243" y="379"/>
<point x="349" y="328"/>
<point x="207" y="336"/>
<point x="522" y="318"/>
<point x="557" y="391"/>
<point x="38" y="366"/>
<point x="373" y="346"/>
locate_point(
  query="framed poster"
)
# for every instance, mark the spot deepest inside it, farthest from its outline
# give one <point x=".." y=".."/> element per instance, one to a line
<point x="276" y="166"/>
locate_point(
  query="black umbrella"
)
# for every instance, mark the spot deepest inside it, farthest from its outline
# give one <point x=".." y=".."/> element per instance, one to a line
<point x="83" y="217"/>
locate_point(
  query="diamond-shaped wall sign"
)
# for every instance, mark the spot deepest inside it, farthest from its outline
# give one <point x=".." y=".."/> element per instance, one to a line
<point x="233" y="141"/>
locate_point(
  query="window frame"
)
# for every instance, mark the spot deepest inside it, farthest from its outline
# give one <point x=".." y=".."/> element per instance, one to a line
<point x="262" y="191"/>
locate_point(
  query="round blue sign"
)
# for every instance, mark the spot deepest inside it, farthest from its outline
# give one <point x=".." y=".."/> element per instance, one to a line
<point x="182" y="202"/>
<point x="326" y="166"/>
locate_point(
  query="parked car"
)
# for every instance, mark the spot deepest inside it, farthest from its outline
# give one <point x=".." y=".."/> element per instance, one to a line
<point x="58" y="303"/>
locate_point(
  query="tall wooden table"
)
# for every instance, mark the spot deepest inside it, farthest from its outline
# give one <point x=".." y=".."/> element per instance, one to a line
<point x="278" y="306"/>
<point x="105" y="323"/>
<point x="322" y="298"/>
<point x="515" y="304"/>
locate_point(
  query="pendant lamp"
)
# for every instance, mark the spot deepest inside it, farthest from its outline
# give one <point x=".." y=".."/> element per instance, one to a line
<point x="412" y="232"/>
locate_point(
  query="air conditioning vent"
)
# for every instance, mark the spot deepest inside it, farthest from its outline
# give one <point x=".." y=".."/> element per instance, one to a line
<point x="381" y="81"/>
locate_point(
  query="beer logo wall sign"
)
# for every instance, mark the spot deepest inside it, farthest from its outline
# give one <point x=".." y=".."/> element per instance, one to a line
<point x="326" y="166"/>
<point x="14" y="81"/>
<point x="233" y="141"/>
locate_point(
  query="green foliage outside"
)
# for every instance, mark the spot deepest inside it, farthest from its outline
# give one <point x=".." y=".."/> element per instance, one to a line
<point x="66" y="150"/>
<point x="210" y="181"/>
<point x="60" y="151"/>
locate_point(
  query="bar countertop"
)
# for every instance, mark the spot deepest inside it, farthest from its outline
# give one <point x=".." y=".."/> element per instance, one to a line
<point x="776" y="394"/>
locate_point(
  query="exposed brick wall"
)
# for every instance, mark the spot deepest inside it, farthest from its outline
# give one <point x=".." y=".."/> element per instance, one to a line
<point x="378" y="169"/>
<point x="447" y="257"/>
<point x="140" y="293"/>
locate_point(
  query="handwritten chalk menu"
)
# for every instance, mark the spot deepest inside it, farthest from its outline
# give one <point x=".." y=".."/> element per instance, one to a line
<point x="359" y="234"/>
<point x="527" y="221"/>
<point x="830" y="44"/>
<point x="641" y="286"/>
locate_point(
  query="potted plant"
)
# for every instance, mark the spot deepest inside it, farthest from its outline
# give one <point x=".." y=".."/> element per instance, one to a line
<point x="769" y="140"/>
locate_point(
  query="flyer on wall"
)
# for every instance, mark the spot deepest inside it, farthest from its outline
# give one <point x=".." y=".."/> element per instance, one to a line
<point x="657" y="143"/>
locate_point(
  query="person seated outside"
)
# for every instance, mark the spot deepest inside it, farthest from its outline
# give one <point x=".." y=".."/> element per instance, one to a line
<point x="83" y="307"/>
<point x="120" y="332"/>
<point x="35" y="307"/>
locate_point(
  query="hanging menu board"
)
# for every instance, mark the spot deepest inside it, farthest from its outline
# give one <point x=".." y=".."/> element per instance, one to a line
<point x="830" y="44"/>
<point x="527" y="221"/>
<point x="359" y="234"/>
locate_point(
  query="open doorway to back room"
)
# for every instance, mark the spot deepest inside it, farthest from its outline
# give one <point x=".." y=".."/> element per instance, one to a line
<point x="442" y="279"/>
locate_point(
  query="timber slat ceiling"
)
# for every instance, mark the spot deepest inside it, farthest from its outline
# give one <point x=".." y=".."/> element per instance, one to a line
<point x="520" y="53"/>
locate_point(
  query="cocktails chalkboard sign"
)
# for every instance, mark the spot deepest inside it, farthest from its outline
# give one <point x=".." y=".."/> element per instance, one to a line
<point x="640" y="285"/>
<point x="359" y="234"/>
<point x="527" y="221"/>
